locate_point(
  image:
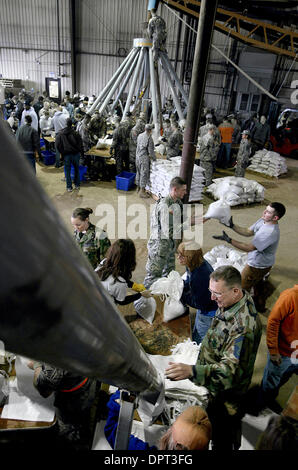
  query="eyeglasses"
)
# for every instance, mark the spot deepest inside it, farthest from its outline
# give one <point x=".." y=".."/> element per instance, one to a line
<point x="216" y="295"/>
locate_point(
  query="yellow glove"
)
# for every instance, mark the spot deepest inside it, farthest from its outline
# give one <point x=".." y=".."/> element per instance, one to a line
<point x="138" y="287"/>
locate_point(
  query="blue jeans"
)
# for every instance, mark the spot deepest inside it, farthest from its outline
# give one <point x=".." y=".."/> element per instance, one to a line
<point x="202" y="325"/>
<point x="72" y="159"/>
<point x="223" y="158"/>
<point x="31" y="159"/>
<point x="276" y="376"/>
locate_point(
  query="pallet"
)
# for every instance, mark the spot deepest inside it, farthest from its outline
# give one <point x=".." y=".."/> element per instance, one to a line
<point x="263" y="175"/>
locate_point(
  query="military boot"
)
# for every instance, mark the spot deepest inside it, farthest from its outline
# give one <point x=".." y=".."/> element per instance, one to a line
<point x="143" y="194"/>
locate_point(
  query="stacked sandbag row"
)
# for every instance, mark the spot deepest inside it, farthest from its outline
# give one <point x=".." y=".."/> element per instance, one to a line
<point x="268" y="163"/>
<point x="162" y="171"/>
<point x="222" y="255"/>
<point x="236" y="190"/>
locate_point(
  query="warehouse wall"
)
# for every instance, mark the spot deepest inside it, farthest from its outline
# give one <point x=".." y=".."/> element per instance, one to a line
<point x="105" y="30"/>
<point x="29" y="41"/>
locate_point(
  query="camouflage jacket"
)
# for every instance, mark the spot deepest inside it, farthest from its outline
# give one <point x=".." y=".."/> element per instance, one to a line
<point x="121" y="137"/>
<point x="145" y="146"/>
<point x="244" y="151"/>
<point x="208" y="148"/>
<point x="174" y="142"/>
<point x="166" y="220"/>
<point x="228" y="351"/>
<point x="93" y="244"/>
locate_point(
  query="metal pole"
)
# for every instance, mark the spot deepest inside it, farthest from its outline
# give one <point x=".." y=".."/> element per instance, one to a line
<point x="124" y="84"/>
<point x="175" y="96"/>
<point x="126" y="69"/>
<point x="197" y="87"/>
<point x="177" y="81"/>
<point x="109" y="84"/>
<point x="153" y="95"/>
<point x="147" y="73"/>
<point x="133" y="84"/>
<point x="158" y="97"/>
<point x="53" y="307"/>
<point x="73" y="52"/>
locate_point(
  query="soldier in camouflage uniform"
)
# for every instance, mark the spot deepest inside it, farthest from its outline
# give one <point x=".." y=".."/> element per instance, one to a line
<point x="74" y="398"/>
<point x="158" y="33"/>
<point x="97" y="127"/>
<point x="134" y="133"/>
<point x="243" y="155"/>
<point x="174" y="141"/>
<point x="217" y="136"/>
<point x="166" y="233"/>
<point x="208" y="154"/>
<point x="144" y="153"/>
<point x="93" y="244"/>
<point x="228" y="351"/>
<point x="120" y="146"/>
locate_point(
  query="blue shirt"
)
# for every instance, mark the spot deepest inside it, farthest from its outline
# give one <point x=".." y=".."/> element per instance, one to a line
<point x="110" y="429"/>
<point x="196" y="289"/>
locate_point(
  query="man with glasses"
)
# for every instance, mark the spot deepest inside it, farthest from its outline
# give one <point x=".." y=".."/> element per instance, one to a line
<point x="228" y="351"/>
<point x="261" y="250"/>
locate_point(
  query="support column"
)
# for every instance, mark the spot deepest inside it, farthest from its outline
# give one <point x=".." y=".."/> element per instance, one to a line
<point x="197" y="87"/>
<point x="73" y="52"/>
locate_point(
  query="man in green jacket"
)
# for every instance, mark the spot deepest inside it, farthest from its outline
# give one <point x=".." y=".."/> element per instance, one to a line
<point x="228" y="351"/>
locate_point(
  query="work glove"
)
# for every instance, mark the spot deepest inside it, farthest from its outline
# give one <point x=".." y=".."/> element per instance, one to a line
<point x="223" y="237"/>
<point x="230" y="223"/>
<point x="138" y="287"/>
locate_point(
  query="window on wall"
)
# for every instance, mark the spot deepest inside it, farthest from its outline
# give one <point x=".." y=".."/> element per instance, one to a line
<point x="248" y="102"/>
<point x="255" y="103"/>
<point x="244" y="102"/>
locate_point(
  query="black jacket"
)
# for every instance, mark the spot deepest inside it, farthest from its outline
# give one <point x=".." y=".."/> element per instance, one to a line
<point x="28" y="138"/>
<point x="68" y="141"/>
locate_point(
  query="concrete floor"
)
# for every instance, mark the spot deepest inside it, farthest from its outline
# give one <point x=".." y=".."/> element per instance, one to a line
<point x="283" y="275"/>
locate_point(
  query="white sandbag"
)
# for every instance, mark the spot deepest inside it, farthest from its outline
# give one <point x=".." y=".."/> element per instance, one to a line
<point x="160" y="286"/>
<point x="146" y="308"/>
<point x="104" y="143"/>
<point x="176" y="285"/>
<point x="172" y="309"/>
<point x="219" y="210"/>
<point x="171" y="288"/>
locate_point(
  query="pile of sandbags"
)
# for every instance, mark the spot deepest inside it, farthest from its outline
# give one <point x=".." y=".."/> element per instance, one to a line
<point x="222" y="255"/>
<point x="236" y="190"/>
<point x="162" y="171"/>
<point x="269" y="163"/>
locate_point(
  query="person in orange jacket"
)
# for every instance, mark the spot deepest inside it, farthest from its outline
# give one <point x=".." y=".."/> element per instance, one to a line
<point x="282" y="343"/>
<point x="226" y="131"/>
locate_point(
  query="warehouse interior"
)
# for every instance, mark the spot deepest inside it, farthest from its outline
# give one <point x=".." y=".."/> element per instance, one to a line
<point x="247" y="66"/>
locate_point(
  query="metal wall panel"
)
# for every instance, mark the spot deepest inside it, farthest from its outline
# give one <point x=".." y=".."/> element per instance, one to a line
<point x="105" y="31"/>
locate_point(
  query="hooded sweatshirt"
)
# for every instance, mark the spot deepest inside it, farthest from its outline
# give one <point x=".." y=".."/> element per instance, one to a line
<point x="68" y="141"/>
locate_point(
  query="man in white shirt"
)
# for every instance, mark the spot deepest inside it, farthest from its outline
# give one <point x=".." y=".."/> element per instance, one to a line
<point x="261" y="251"/>
<point x="28" y="109"/>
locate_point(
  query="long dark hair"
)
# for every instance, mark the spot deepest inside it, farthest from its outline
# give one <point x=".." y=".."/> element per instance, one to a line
<point x="120" y="260"/>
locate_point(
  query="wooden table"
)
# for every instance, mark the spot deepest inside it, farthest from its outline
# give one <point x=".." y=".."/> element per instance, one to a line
<point x="159" y="337"/>
<point x="6" y="424"/>
<point x="18" y="424"/>
<point x="106" y="158"/>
